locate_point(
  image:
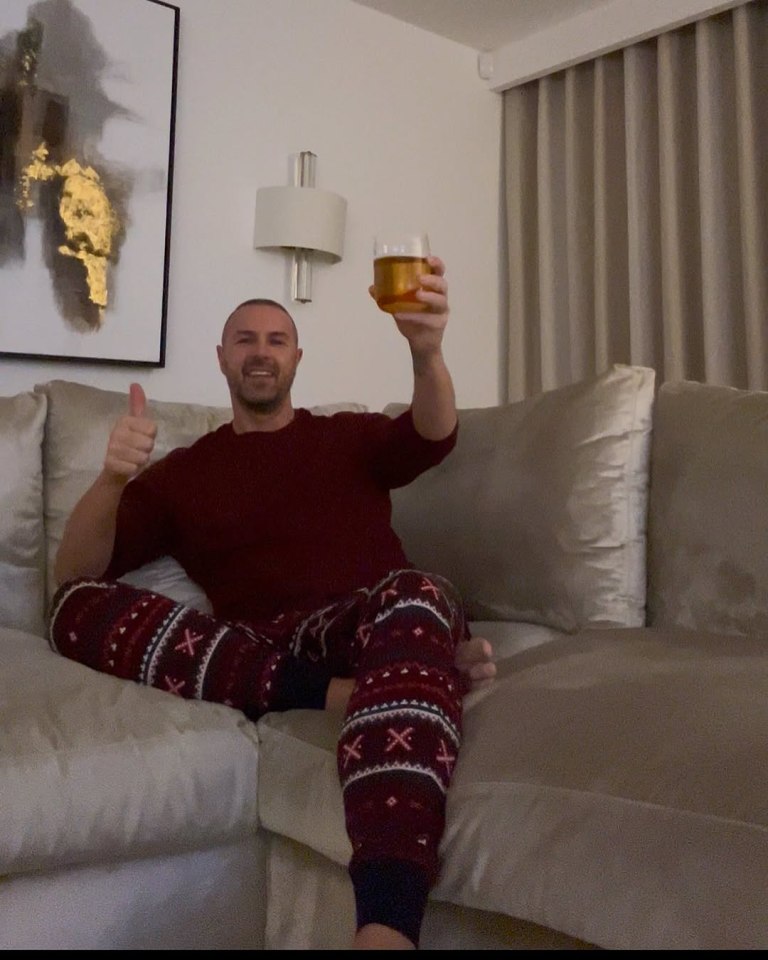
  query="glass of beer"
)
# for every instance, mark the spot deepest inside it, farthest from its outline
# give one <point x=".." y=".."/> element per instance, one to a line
<point x="398" y="262"/>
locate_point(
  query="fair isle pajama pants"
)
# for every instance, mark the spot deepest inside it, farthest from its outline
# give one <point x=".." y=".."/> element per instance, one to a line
<point x="401" y="732"/>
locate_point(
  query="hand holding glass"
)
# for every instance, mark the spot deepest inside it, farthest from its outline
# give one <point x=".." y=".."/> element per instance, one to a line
<point x="398" y="262"/>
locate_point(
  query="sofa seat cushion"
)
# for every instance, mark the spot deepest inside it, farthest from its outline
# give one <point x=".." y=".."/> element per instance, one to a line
<point x="93" y="768"/>
<point x="612" y="785"/>
<point x="299" y="747"/>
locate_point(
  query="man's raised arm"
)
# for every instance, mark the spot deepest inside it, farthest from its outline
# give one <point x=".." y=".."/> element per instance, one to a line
<point x="434" y="415"/>
<point x="434" y="400"/>
<point x="89" y="536"/>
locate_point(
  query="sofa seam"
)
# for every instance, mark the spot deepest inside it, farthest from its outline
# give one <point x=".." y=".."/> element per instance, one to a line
<point x="695" y="814"/>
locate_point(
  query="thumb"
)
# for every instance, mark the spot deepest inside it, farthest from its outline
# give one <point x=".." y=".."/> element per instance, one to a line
<point x="137" y="401"/>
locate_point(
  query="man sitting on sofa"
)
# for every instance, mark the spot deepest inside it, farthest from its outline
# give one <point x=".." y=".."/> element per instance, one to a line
<point x="283" y="518"/>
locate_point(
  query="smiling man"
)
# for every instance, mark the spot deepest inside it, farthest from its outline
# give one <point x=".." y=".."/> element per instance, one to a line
<point x="284" y="518"/>
<point x="259" y="361"/>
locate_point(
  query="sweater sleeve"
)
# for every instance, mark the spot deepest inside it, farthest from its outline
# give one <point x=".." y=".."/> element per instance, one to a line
<point x="400" y="453"/>
<point x="144" y="525"/>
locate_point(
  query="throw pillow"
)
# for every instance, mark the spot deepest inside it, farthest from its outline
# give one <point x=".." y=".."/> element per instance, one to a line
<point x="538" y="514"/>
<point x="166" y="576"/>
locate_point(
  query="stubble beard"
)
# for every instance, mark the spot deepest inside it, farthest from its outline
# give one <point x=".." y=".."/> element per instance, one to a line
<point x="265" y="405"/>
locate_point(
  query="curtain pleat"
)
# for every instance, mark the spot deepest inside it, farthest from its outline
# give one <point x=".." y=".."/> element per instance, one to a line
<point x="637" y="210"/>
<point x="683" y="357"/>
<point x="722" y="310"/>
<point x="580" y="237"/>
<point x="611" y="266"/>
<point x="646" y="344"/>
<point x="553" y="340"/>
<point x="524" y="357"/>
<point x="751" y="79"/>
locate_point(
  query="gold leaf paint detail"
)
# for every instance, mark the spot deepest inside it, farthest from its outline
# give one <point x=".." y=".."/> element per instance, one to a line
<point x="90" y="222"/>
<point x="36" y="170"/>
<point x="30" y="42"/>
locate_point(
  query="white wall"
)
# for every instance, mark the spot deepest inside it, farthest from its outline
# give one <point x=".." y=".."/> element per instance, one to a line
<point x="403" y="128"/>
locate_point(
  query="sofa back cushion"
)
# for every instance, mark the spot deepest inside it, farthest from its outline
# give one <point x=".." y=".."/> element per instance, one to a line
<point x="80" y="419"/>
<point x="22" y="541"/>
<point x="708" y="509"/>
<point x="539" y="512"/>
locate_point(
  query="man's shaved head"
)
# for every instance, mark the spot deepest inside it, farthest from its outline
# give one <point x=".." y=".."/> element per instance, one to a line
<point x="259" y="302"/>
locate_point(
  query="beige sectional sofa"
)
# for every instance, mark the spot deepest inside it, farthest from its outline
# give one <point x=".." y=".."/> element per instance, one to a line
<point x="610" y="539"/>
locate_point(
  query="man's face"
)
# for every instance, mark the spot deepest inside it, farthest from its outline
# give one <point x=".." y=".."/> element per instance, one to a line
<point x="259" y="354"/>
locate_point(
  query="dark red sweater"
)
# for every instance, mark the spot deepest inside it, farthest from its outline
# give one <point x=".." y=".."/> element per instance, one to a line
<point x="273" y="522"/>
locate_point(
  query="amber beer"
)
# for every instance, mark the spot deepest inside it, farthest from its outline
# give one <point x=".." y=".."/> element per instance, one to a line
<point x="396" y="280"/>
<point x="399" y="260"/>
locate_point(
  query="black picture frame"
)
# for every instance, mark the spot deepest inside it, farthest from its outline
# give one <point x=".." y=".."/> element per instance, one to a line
<point x="87" y="127"/>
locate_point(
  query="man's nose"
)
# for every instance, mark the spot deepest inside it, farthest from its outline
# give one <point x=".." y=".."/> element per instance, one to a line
<point x="261" y="353"/>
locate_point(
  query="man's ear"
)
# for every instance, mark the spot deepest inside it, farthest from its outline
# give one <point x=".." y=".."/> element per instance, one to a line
<point x="299" y="355"/>
<point x="219" y="355"/>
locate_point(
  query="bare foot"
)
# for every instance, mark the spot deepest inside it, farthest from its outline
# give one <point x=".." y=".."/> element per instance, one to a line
<point x="474" y="661"/>
<point x="375" y="936"/>
<point x="338" y="693"/>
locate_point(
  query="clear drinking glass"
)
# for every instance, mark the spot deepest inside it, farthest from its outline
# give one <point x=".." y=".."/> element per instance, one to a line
<point x="398" y="262"/>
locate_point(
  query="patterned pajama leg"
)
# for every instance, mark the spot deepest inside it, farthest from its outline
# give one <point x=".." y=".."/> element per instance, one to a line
<point x="399" y="741"/>
<point x="141" y="636"/>
<point x="401" y="733"/>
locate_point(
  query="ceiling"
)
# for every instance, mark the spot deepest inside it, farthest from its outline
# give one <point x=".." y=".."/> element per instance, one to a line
<point x="482" y="24"/>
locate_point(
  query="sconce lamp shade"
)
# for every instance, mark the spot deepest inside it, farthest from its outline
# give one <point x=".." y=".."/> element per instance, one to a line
<point x="302" y="218"/>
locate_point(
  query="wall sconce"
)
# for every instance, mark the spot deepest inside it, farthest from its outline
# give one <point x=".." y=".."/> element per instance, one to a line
<point x="303" y="219"/>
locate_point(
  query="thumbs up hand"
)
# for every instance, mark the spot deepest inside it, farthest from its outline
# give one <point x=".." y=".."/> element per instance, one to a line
<point x="132" y="439"/>
<point x="137" y="401"/>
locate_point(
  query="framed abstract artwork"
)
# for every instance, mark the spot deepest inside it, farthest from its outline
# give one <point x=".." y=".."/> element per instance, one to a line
<point x="87" y="115"/>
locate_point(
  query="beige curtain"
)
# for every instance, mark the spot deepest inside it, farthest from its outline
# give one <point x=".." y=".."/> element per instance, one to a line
<point x="637" y="211"/>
